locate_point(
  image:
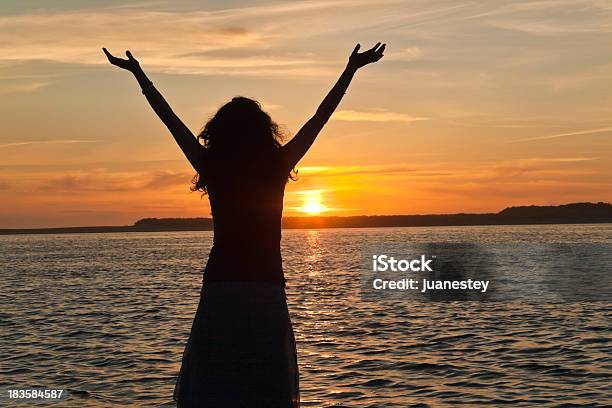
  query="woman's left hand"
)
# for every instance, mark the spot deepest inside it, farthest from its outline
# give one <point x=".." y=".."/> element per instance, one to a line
<point x="360" y="59"/>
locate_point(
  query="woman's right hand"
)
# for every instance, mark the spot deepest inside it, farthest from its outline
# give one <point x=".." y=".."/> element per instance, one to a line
<point x="130" y="64"/>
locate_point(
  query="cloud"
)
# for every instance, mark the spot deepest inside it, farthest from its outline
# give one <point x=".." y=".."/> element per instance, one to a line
<point x="553" y="169"/>
<point x="99" y="181"/>
<point x="404" y="54"/>
<point x="265" y="40"/>
<point x="168" y="179"/>
<point x="245" y="41"/>
<point x="39" y="142"/>
<point x="271" y="106"/>
<point x="16" y="87"/>
<point x="77" y="36"/>
<point x="547" y="28"/>
<point x="374" y="116"/>
<point x="558" y="159"/>
<point x="555" y="17"/>
<point x="558" y="135"/>
<point x="109" y="181"/>
<point x="366" y="189"/>
<point x="443" y="172"/>
<point x="375" y="170"/>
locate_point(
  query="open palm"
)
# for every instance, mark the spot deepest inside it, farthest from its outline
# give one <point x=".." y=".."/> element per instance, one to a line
<point x="360" y="59"/>
<point x="130" y="64"/>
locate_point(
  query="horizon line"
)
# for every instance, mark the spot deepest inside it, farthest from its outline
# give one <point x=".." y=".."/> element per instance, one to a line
<point x="312" y="217"/>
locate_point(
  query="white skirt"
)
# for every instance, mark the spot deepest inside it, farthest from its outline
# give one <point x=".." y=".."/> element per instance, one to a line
<point x="241" y="350"/>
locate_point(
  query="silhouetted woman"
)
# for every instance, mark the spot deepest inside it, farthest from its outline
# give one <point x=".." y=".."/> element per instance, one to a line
<point x="241" y="350"/>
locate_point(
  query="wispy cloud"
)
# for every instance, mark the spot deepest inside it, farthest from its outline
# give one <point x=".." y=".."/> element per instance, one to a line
<point x="538" y="168"/>
<point x="374" y="170"/>
<point x="558" y="135"/>
<point x="375" y="116"/>
<point x="451" y="172"/>
<point x="557" y="159"/>
<point x="555" y="17"/>
<point x="404" y="54"/>
<point x="16" y="87"/>
<point x="109" y="181"/>
<point x="248" y="40"/>
<point x="39" y="142"/>
<point x="550" y="28"/>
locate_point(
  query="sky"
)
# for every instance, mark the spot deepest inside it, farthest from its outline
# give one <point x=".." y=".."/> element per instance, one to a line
<point x="476" y="106"/>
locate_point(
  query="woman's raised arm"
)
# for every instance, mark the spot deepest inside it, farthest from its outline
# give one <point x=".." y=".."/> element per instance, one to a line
<point x="297" y="147"/>
<point x="188" y="143"/>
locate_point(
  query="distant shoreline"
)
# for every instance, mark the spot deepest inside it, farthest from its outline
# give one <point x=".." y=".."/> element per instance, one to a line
<point x="129" y="228"/>
<point x="576" y="213"/>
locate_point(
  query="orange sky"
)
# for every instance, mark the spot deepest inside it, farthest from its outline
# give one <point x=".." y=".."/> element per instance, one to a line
<point x="475" y="107"/>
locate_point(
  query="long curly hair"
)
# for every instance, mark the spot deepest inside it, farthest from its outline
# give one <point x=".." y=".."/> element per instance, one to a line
<point x="239" y="127"/>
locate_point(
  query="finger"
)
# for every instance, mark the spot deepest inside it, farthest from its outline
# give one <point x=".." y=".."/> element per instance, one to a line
<point x="374" y="47"/>
<point x="129" y="54"/>
<point x="111" y="58"/>
<point x="382" y="49"/>
<point x="356" y="48"/>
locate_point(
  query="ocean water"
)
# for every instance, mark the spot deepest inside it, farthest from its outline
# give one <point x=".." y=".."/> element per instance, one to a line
<point x="106" y="317"/>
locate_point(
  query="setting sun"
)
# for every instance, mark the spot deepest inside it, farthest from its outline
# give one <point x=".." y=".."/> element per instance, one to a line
<point x="312" y="202"/>
<point x="312" y="208"/>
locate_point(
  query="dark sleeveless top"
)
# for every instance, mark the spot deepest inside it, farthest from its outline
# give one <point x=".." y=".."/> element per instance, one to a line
<point x="246" y="200"/>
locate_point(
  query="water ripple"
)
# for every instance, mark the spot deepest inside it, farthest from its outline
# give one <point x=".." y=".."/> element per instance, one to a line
<point x="106" y="317"/>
